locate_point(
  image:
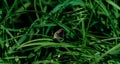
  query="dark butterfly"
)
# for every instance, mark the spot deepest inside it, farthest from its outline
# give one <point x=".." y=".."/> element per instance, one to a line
<point x="59" y="35"/>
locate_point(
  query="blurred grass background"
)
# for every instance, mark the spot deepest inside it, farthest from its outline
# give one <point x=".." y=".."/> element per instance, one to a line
<point x="91" y="31"/>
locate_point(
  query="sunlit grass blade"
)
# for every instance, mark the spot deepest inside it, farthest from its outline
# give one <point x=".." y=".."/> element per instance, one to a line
<point x="46" y="44"/>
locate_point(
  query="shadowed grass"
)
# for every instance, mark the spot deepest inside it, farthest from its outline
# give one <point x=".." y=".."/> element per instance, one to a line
<point x="91" y="31"/>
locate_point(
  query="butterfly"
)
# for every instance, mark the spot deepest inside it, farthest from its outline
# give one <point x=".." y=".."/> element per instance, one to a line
<point x="59" y="35"/>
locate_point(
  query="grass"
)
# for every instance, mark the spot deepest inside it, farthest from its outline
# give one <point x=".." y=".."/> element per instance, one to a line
<point x="91" y="32"/>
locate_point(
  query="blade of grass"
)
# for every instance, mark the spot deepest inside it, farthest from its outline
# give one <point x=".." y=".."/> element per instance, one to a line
<point x="52" y="44"/>
<point x="9" y="11"/>
<point x="113" y="4"/>
<point x="108" y="52"/>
